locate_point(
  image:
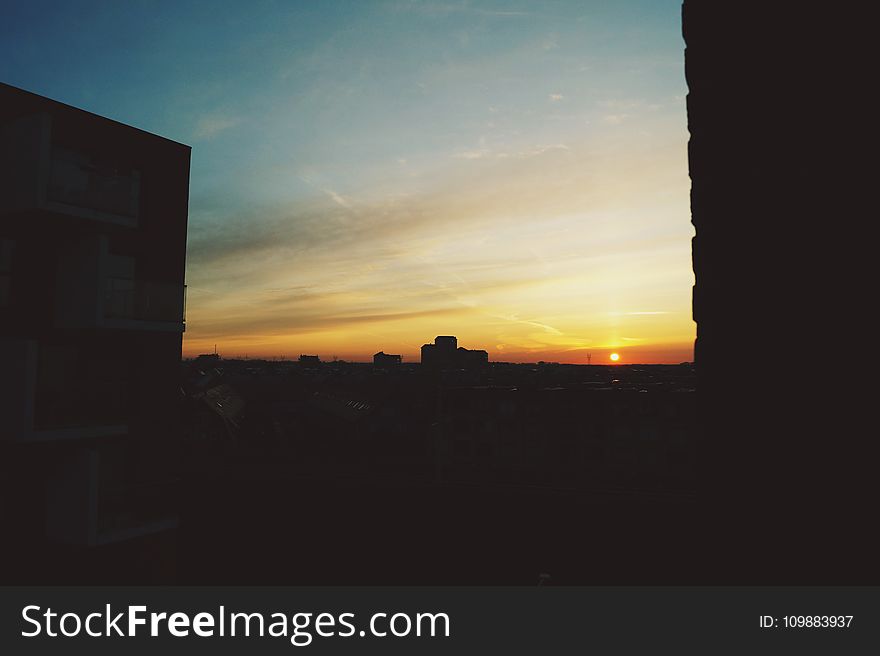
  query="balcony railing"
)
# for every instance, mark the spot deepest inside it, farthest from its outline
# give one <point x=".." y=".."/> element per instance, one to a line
<point x="75" y="179"/>
<point x="144" y="301"/>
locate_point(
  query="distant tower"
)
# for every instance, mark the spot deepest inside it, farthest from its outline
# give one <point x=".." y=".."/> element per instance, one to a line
<point x="589" y="358"/>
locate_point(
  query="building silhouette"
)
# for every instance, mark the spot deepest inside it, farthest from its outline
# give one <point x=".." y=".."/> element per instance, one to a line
<point x="93" y="217"/>
<point x="445" y="353"/>
<point x="385" y="360"/>
<point x="309" y="360"/>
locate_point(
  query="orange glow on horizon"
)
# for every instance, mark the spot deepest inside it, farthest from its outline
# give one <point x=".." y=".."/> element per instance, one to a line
<point x="362" y="350"/>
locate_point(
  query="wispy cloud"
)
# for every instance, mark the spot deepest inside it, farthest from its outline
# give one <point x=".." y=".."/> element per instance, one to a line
<point x="332" y="194"/>
<point x="473" y="154"/>
<point x="614" y="119"/>
<point x="487" y="153"/>
<point x="337" y="198"/>
<point x="436" y="8"/>
<point x="512" y="318"/>
<point x="620" y="103"/>
<point x="550" y="43"/>
<point x="556" y="97"/>
<point x="304" y="321"/>
<point x="209" y="126"/>
<point x="540" y="150"/>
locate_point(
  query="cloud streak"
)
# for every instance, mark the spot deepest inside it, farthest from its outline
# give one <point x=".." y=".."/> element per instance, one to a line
<point x="210" y="126"/>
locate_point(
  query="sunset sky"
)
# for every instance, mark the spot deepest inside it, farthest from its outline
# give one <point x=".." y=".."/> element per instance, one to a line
<point x="368" y="175"/>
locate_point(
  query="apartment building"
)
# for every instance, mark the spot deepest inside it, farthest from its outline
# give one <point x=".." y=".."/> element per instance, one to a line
<point x="93" y="217"/>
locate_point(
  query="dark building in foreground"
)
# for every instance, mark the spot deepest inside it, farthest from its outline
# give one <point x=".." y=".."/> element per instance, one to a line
<point x="779" y="181"/>
<point x="93" y="217"/>
<point x="445" y="353"/>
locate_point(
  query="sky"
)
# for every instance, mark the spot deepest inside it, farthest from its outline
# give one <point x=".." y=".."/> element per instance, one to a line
<point x="368" y="175"/>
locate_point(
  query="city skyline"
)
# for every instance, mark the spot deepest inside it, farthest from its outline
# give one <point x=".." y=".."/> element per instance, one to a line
<point x="366" y="176"/>
<point x="611" y="357"/>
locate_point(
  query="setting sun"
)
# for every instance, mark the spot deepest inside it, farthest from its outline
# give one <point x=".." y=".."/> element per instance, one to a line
<point x="615" y="357"/>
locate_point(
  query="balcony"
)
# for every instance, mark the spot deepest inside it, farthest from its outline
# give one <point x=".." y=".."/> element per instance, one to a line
<point x="100" y="290"/>
<point x="39" y="174"/>
<point x="127" y="300"/>
<point x="85" y="186"/>
<point x="81" y="510"/>
<point x="44" y="398"/>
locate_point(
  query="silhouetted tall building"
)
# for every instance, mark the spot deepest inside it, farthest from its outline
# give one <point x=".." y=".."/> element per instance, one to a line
<point x="446" y="344"/>
<point x="93" y="218"/>
<point x="445" y="353"/>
